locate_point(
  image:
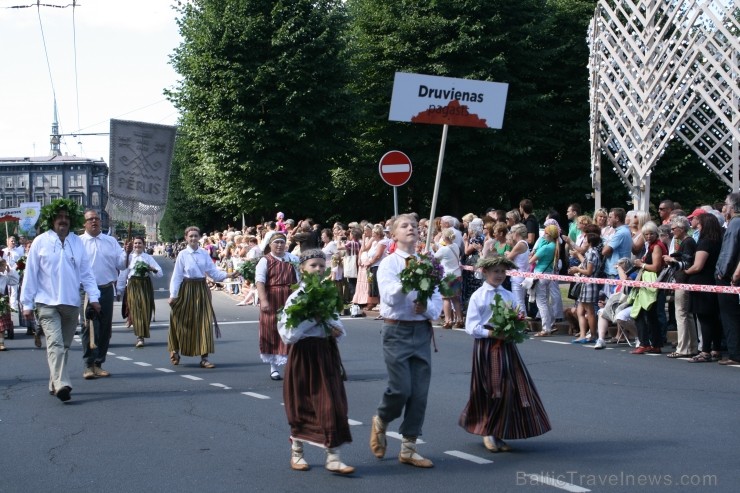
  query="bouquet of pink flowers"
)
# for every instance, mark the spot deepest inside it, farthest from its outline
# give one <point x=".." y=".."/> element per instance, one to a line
<point x="506" y="321"/>
<point x="422" y="274"/>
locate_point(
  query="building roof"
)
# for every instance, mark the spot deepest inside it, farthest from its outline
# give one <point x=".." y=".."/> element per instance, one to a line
<point x="48" y="160"/>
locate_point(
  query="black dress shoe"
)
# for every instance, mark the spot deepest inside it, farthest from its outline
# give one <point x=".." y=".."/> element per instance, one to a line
<point x="64" y="394"/>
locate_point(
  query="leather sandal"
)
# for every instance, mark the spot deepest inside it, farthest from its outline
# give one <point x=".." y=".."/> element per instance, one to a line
<point x="175" y="358"/>
<point x="204" y="363"/>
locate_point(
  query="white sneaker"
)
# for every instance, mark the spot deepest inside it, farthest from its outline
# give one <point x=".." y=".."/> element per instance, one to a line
<point x="600" y="344"/>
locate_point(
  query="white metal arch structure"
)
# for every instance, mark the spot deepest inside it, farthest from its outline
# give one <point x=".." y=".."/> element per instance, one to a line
<point x="661" y="69"/>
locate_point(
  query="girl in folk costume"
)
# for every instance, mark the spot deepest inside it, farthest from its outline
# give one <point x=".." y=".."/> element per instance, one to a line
<point x="314" y="395"/>
<point x="274" y="275"/>
<point x="139" y="290"/>
<point x="8" y="277"/>
<point x="503" y="399"/>
<point x="191" y="332"/>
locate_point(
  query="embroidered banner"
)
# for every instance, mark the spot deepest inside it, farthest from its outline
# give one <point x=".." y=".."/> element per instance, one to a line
<point x="140" y="160"/>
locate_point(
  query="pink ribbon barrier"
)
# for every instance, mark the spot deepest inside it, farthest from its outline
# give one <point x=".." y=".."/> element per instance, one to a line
<point x="639" y="284"/>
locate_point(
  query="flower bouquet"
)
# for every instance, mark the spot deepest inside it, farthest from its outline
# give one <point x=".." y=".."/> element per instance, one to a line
<point x="20" y="265"/>
<point x="423" y="275"/>
<point x="141" y="268"/>
<point x="506" y="321"/>
<point x="5" y="306"/>
<point x="247" y="270"/>
<point x="445" y="286"/>
<point x="319" y="300"/>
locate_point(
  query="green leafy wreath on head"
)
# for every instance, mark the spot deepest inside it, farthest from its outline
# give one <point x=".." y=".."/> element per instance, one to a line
<point x="50" y="211"/>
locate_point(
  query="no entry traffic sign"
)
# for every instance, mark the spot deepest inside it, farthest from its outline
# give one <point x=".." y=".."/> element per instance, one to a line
<point x="395" y="168"/>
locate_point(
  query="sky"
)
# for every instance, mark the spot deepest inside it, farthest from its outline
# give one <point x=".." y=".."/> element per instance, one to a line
<point x="122" y="50"/>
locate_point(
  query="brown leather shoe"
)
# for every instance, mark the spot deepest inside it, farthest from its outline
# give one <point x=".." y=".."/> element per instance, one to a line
<point x="409" y="455"/>
<point x="89" y="373"/>
<point x="99" y="372"/>
<point x="298" y="463"/>
<point x="378" y="441"/>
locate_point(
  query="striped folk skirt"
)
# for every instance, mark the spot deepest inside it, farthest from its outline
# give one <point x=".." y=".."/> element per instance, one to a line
<point x="191" y="330"/>
<point x="313" y="391"/>
<point x="140" y="300"/>
<point x="503" y="399"/>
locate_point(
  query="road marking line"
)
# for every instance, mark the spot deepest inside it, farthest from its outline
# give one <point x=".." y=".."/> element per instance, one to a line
<point x="123" y="358"/>
<point x="111" y="354"/>
<point x="256" y="395"/>
<point x="165" y="370"/>
<point x="141" y="363"/>
<point x="557" y="342"/>
<point x="556" y="483"/>
<point x="352" y="422"/>
<point x="398" y="436"/>
<point x="191" y="377"/>
<point x="471" y="458"/>
<point x="221" y="386"/>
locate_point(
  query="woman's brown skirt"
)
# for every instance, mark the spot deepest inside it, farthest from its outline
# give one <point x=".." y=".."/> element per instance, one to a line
<point x="191" y="330"/>
<point x="315" y="400"/>
<point x="503" y="399"/>
<point x="140" y="300"/>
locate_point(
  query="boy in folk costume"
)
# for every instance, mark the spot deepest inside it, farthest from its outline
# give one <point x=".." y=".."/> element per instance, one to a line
<point x="503" y="399"/>
<point x="314" y="395"/>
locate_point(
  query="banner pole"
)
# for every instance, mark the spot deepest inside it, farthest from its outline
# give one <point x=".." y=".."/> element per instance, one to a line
<point x="430" y="229"/>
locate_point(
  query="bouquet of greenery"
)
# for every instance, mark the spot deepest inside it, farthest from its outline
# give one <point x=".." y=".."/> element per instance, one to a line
<point x="20" y="265"/>
<point x="141" y="268"/>
<point x="319" y="300"/>
<point x="5" y="306"/>
<point x="445" y="286"/>
<point x="506" y="321"/>
<point x="423" y="275"/>
<point x="247" y="270"/>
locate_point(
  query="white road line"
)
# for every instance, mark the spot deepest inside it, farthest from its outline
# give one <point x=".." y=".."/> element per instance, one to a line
<point x="557" y="342"/>
<point x="191" y="377"/>
<point x="352" y="422"/>
<point x="141" y="363"/>
<point x="256" y="395"/>
<point x="165" y="370"/>
<point x="111" y="354"/>
<point x="557" y="483"/>
<point x="471" y="458"/>
<point x="398" y="436"/>
<point x="221" y="386"/>
<point x="123" y="358"/>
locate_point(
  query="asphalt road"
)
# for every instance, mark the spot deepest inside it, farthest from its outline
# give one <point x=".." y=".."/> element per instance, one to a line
<point x="620" y="422"/>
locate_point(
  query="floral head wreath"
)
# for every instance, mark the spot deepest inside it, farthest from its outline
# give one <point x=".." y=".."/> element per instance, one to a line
<point x="495" y="261"/>
<point x="49" y="213"/>
<point x="310" y="254"/>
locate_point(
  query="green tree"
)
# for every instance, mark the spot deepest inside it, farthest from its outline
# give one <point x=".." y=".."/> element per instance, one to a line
<point x="531" y="45"/>
<point x="264" y="102"/>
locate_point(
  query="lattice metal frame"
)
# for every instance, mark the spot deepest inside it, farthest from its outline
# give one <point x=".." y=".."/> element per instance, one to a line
<point x="662" y="69"/>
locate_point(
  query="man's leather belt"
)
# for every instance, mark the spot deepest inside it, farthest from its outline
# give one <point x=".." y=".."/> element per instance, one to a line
<point x="107" y="285"/>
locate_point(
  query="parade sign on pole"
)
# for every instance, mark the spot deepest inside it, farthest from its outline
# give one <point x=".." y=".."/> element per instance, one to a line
<point x="447" y="101"/>
<point x="395" y="169"/>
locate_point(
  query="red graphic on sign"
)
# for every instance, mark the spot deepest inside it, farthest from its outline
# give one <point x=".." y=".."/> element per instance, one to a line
<point x="452" y="114"/>
<point x="395" y="168"/>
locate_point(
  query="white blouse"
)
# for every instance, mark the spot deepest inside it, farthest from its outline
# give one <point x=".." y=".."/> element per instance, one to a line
<point x="146" y="258"/>
<point x="193" y="264"/>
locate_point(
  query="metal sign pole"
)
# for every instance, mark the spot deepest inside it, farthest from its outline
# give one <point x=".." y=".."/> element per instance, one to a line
<point x="430" y="229"/>
<point x="395" y="201"/>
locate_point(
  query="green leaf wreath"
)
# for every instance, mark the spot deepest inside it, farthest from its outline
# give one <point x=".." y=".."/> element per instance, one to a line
<point x="50" y="211"/>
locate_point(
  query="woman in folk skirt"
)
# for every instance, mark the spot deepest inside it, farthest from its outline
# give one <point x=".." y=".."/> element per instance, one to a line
<point x="273" y="275"/>
<point x="503" y="399"/>
<point x="191" y="333"/>
<point x="314" y="395"/>
<point x="139" y="291"/>
<point x="8" y="277"/>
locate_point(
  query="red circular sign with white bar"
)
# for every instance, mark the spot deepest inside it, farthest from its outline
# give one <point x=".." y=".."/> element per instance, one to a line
<point x="395" y="168"/>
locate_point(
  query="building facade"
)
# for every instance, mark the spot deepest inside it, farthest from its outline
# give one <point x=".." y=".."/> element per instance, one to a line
<point x="45" y="178"/>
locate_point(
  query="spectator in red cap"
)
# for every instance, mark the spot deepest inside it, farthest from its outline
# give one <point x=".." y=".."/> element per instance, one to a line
<point x="694" y="218"/>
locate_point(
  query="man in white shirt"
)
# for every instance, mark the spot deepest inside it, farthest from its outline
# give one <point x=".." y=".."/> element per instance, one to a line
<point x="57" y="264"/>
<point x="107" y="258"/>
<point x="406" y="336"/>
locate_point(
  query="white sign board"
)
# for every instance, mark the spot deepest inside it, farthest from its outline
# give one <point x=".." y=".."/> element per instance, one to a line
<point x="445" y="100"/>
